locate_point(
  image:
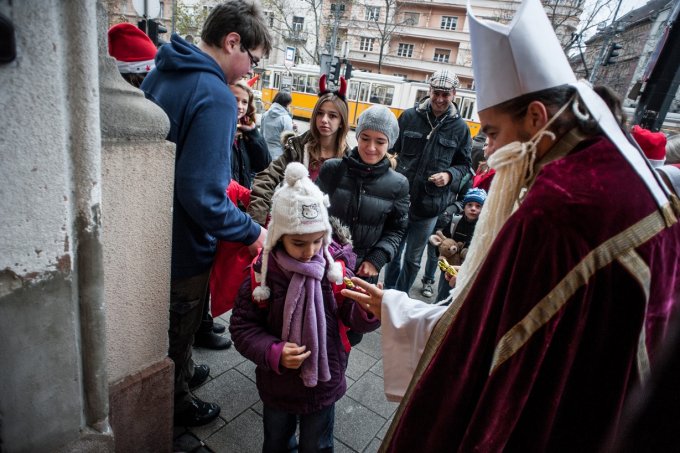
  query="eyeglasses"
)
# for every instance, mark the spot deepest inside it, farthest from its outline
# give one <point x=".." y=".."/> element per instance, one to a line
<point x="253" y="61"/>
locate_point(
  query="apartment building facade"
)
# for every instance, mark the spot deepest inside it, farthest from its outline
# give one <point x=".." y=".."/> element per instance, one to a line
<point x="638" y="33"/>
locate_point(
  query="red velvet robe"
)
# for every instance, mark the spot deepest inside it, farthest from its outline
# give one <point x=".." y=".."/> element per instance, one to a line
<point x="511" y="369"/>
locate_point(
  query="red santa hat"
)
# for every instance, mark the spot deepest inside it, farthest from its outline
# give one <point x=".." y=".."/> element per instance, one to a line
<point x="653" y="144"/>
<point x="132" y="48"/>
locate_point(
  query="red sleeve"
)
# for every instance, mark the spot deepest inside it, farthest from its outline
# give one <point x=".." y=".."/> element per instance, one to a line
<point x="236" y="192"/>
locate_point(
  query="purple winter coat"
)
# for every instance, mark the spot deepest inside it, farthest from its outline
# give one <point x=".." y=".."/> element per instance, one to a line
<point x="256" y="330"/>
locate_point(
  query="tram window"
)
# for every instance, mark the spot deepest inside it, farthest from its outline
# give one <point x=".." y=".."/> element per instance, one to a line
<point x="382" y="94"/>
<point x="277" y="80"/>
<point x="266" y="77"/>
<point x="363" y="92"/>
<point x="353" y="91"/>
<point x="313" y="84"/>
<point x="299" y="82"/>
<point x="466" y="110"/>
<point x="420" y="95"/>
<point x="457" y="100"/>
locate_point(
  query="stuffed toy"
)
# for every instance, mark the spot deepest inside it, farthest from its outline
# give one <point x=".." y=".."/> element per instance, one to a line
<point x="454" y="252"/>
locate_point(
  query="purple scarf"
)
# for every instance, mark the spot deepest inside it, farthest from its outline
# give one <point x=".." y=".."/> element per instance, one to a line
<point x="304" y="316"/>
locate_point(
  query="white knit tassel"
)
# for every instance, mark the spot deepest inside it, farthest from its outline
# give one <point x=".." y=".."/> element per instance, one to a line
<point x="263" y="292"/>
<point x="334" y="273"/>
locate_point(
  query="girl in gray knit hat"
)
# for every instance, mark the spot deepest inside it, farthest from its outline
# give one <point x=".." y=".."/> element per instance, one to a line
<point x="368" y="195"/>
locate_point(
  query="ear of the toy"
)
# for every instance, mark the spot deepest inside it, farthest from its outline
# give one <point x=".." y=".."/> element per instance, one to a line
<point x="435" y="239"/>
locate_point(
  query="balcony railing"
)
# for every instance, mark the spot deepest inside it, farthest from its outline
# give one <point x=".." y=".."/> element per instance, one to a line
<point x="409" y="63"/>
<point x="295" y="36"/>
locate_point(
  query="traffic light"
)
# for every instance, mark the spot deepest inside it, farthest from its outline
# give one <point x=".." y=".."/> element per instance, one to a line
<point x="154" y="29"/>
<point x="612" y="53"/>
<point x="348" y="71"/>
<point x="334" y="73"/>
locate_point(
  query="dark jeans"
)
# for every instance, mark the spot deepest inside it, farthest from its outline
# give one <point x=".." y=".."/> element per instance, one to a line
<point x="316" y="431"/>
<point x="207" y="322"/>
<point x="411" y="247"/>
<point x="187" y="299"/>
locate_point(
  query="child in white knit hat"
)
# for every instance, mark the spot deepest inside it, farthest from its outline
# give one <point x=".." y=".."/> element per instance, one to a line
<point x="287" y="320"/>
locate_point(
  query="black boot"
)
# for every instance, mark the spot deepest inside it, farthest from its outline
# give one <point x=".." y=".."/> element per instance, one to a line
<point x="196" y="413"/>
<point x="201" y="373"/>
<point x="211" y="340"/>
<point x="219" y="328"/>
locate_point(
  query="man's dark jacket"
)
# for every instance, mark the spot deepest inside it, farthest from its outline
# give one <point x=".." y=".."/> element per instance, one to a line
<point x="423" y="151"/>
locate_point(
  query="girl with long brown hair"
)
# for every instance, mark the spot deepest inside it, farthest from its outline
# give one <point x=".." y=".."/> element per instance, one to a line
<point x="325" y="139"/>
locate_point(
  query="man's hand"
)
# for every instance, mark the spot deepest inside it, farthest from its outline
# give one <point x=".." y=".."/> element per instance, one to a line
<point x="259" y="242"/>
<point x="440" y="179"/>
<point x="293" y="355"/>
<point x="367" y="270"/>
<point x="368" y="296"/>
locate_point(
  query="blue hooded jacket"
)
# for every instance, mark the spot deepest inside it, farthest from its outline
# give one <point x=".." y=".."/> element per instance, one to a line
<point x="190" y="87"/>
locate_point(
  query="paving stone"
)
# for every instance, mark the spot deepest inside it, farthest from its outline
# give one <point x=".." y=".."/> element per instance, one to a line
<point x="373" y="446"/>
<point x="359" y="363"/>
<point x="339" y="447"/>
<point x="186" y="442"/>
<point x="371" y="344"/>
<point x="383" y="431"/>
<point x="203" y="450"/>
<point x="258" y="408"/>
<point x="377" y="369"/>
<point x="244" y="434"/>
<point x="350" y="381"/>
<point x="248" y="369"/>
<point x="232" y="391"/>
<point x="205" y="431"/>
<point x="219" y="361"/>
<point x="355" y="425"/>
<point x="368" y="390"/>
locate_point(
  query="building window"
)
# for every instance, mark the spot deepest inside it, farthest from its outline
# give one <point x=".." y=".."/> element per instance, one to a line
<point x="162" y="12"/>
<point x="396" y="74"/>
<point x="405" y="50"/>
<point x="411" y="19"/>
<point x="269" y="16"/>
<point x="372" y="13"/>
<point x="366" y="44"/>
<point x="441" y="55"/>
<point x="449" y="22"/>
<point x="298" y="23"/>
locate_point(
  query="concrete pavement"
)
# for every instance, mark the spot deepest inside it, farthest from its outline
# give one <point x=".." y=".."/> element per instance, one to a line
<point x="362" y="416"/>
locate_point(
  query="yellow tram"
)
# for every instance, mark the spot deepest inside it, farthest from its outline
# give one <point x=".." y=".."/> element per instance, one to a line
<point x="364" y="89"/>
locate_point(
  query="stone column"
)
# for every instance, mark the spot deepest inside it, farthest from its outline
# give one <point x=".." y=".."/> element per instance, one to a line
<point x="137" y="189"/>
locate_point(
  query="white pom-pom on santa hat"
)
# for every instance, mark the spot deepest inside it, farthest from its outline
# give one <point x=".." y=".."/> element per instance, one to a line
<point x="261" y="293"/>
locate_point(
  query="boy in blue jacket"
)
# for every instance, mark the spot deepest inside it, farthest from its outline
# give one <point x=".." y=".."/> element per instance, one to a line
<point x="191" y="84"/>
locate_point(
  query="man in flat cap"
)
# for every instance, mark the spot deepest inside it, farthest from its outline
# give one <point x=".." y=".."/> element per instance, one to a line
<point x="569" y="283"/>
<point x="433" y="152"/>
